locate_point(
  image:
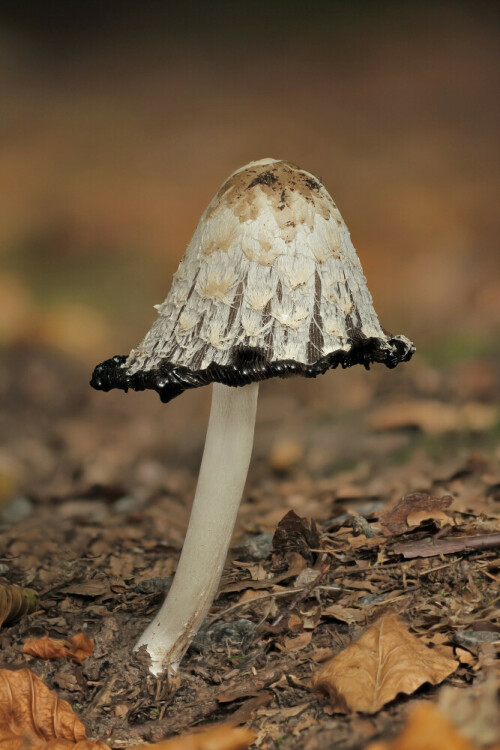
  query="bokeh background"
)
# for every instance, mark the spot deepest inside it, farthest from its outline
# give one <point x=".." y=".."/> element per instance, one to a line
<point x="119" y="120"/>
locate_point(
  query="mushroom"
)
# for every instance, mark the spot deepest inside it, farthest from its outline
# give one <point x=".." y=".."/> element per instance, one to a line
<point x="270" y="286"/>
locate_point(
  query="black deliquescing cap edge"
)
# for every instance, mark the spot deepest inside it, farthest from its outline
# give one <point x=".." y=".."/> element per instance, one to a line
<point x="248" y="366"/>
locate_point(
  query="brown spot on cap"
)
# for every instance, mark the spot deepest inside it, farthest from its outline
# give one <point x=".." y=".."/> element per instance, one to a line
<point x="293" y="195"/>
<point x="266" y="178"/>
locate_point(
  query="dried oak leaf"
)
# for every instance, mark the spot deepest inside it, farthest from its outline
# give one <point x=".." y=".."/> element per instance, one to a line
<point x="426" y="729"/>
<point x="412" y="509"/>
<point x="32" y="716"/>
<point x="222" y="737"/>
<point x="385" y="661"/>
<point x="77" y="648"/>
<point x="16" y="601"/>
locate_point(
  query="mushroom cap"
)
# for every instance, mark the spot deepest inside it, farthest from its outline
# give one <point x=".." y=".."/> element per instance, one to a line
<point x="270" y="285"/>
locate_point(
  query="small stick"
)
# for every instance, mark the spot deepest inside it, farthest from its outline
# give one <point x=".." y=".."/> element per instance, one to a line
<point x="429" y="546"/>
<point x="302" y="595"/>
<point x="271" y="595"/>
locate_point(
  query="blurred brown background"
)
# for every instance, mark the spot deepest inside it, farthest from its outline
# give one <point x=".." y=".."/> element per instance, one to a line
<point x="119" y="120"/>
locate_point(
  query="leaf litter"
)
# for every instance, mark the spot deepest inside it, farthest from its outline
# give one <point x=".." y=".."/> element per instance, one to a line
<point x="110" y="490"/>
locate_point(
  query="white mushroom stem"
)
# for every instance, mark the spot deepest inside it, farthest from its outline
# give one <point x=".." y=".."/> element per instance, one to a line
<point x="223" y="472"/>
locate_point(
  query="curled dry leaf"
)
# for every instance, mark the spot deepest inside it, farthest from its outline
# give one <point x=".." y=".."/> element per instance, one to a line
<point x="385" y="661"/>
<point x="412" y="509"/>
<point x="223" y="737"/>
<point x="32" y="716"/>
<point x="77" y="648"/>
<point x="15" y="602"/>
<point x="427" y="729"/>
<point x="296" y="534"/>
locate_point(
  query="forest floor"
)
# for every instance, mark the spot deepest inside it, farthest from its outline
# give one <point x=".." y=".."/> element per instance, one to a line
<point x="95" y="492"/>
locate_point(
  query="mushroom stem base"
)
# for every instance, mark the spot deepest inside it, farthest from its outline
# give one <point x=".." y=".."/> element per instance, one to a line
<point x="223" y="472"/>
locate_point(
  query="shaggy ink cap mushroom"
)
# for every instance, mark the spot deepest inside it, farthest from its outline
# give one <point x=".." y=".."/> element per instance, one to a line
<point x="270" y="286"/>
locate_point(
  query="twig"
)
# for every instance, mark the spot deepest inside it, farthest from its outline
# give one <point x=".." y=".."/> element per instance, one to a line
<point x="430" y="546"/>
<point x="102" y="697"/>
<point x="302" y="595"/>
<point x="275" y="594"/>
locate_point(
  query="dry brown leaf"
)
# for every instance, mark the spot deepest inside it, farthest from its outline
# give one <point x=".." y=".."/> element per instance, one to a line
<point x="416" y="517"/>
<point x="298" y="642"/>
<point x="296" y="535"/>
<point x="248" y="708"/>
<point x="426" y="729"/>
<point x="295" y="624"/>
<point x="15" y="602"/>
<point x="88" y="588"/>
<point x="411" y="510"/>
<point x="385" y="661"/>
<point x="77" y="648"/>
<point x="223" y="737"/>
<point x="32" y="716"/>
<point x="348" y="615"/>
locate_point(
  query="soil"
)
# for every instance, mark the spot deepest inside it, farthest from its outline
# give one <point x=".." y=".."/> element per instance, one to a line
<point x="95" y="492"/>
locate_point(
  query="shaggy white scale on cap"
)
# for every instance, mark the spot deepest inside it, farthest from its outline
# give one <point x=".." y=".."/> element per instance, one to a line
<point x="271" y="266"/>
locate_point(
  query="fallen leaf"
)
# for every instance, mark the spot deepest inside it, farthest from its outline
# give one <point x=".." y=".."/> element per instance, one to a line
<point x="77" y="648"/>
<point x="426" y="729"/>
<point x="223" y="737"/>
<point x="295" y="623"/>
<point x="385" y="661"/>
<point x="89" y="588"/>
<point x="465" y="657"/>
<point x="247" y="709"/>
<point x="246" y="688"/>
<point x="411" y="510"/>
<point x="416" y="517"/>
<point x="284" y="713"/>
<point x="296" y="534"/>
<point x="299" y="642"/>
<point x="32" y="716"/>
<point x="321" y="654"/>
<point x="348" y="615"/>
<point x="15" y="602"/>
